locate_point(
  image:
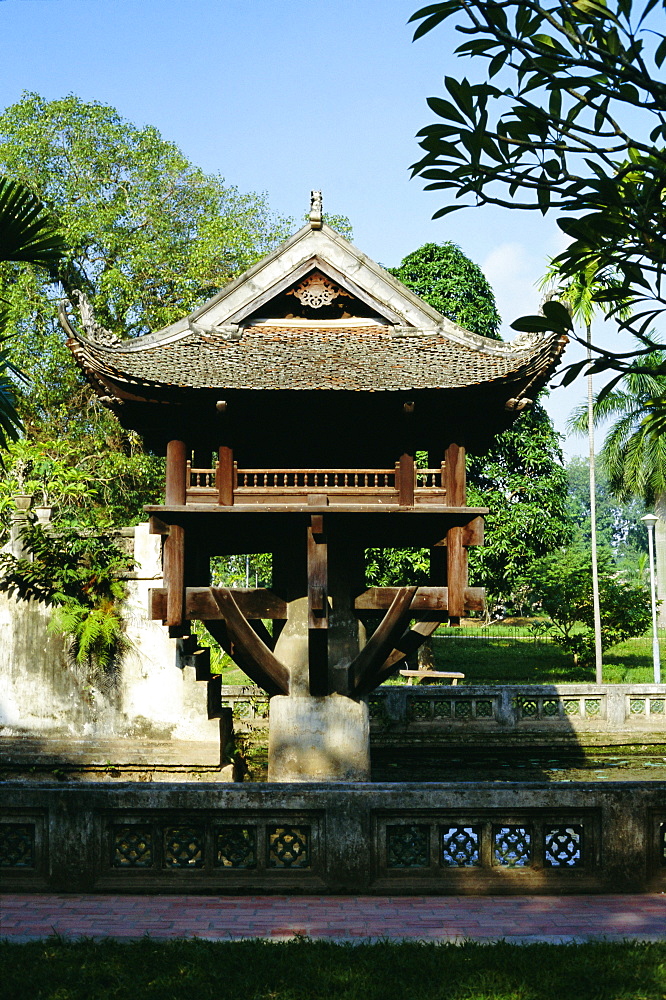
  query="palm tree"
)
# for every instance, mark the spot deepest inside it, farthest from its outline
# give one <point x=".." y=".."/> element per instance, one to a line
<point x="28" y="235"/>
<point x="577" y="293"/>
<point x="633" y="456"/>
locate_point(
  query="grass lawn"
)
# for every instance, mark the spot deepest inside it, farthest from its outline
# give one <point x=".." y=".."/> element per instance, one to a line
<point x="512" y="660"/>
<point x="519" y="661"/>
<point x="303" y="970"/>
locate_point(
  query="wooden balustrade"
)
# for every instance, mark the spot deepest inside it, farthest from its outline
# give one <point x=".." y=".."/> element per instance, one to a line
<point x="255" y="485"/>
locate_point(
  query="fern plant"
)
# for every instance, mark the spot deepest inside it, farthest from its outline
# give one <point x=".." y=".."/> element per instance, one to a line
<point x="96" y="635"/>
<point x="78" y="572"/>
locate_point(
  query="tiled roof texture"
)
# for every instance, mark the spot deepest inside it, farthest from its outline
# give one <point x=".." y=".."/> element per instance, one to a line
<point x="364" y="357"/>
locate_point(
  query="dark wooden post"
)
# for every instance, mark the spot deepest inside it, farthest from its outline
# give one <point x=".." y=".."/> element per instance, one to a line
<point x="225" y="459"/>
<point x="176" y="473"/>
<point x="317" y="561"/>
<point x="174" y="546"/>
<point x="456" y="554"/>
<point x="225" y="476"/>
<point x="407" y="463"/>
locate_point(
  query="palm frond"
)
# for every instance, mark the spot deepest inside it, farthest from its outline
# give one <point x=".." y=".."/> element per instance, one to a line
<point x="28" y="232"/>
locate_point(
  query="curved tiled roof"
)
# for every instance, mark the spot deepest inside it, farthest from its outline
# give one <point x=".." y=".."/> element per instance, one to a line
<point x="354" y="355"/>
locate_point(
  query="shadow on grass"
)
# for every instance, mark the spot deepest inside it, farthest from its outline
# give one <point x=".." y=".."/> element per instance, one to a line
<point x="304" y="970"/>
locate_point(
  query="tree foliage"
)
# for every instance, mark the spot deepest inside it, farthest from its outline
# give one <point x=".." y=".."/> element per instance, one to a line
<point x="523" y="483"/>
<point x="619" y="527"/>
<point x="452" y="283"/>
<point x="634" y="459"/>
<point x="521" y="478"/>
<point x="562" y="587"/>
<point x="149" y="236"/>
<point x="569" y="116"/>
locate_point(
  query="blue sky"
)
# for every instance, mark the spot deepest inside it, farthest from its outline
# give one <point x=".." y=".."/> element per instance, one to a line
<point x="283" y="96"/>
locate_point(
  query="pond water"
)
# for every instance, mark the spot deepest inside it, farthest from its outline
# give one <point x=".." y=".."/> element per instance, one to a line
<point x="646" y="763"/>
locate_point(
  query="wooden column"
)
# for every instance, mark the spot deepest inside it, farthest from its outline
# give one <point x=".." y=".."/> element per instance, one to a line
<point x="456" y="554"/>
<point x="317" y="562"/>
<point x="407" y="463"/>
<point x="346" y="581"/>
<point x="225" y="476"/>
<point x="174" y="545"/>
<point x="176" y="473"/>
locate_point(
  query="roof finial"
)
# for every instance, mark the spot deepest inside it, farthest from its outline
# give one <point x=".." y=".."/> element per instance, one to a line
<point x="315" y="209"/>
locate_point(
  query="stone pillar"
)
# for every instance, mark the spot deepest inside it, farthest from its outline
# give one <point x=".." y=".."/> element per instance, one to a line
<point x="318" y="739"/>
<point x="19" y="519"/>
<point x="317" y="733"/>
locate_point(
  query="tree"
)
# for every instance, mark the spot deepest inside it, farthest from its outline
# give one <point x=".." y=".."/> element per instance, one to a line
<point x="619" y="528"/>
<point x="523" y="482"/>
<point x="521" y="478"/>
<point x="148" y="235"/>
<point x="452" y="283"/>
<point x="27" y="234"/>
<point x="563" y="589"/>
<point x="576" y="123"/>
<point x="633" y="457"/>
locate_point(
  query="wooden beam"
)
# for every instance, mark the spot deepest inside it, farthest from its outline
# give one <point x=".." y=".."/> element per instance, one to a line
<point x="472" y="534"/>
<point x="251" y="647"/>
<point x="456" y="553"/>
<point x="157" y="527"/>
<point x="406" y="477"/>
<point x="455" y="476"/>
<point x="425" y="599"/>
<point x="364" y="668"/>
<point x="456" y="572"/>
<point x="200" y="605"/>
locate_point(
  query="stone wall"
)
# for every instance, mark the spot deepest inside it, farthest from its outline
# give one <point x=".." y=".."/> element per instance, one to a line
<point x="585" y="714"/>
<point x="445" y="838"/>
<point x="148" y="693"/>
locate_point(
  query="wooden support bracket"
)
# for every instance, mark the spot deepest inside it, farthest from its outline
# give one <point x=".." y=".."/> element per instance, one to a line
<point x="252" y="648"/>
<point x="364" y="668"/>
<point x="408" y="643"/>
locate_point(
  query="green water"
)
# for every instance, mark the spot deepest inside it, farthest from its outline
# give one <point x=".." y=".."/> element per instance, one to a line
<point x="576" y="764"/>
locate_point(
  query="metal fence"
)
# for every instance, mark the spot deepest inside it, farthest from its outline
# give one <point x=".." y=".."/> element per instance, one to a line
<point x="509" y="633"/>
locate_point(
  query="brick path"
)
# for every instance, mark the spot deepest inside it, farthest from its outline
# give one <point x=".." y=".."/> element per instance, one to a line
<point x="357" y="918"/>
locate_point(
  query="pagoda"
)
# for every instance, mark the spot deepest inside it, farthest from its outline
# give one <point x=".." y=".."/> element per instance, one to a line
<point x="290" y="408"/>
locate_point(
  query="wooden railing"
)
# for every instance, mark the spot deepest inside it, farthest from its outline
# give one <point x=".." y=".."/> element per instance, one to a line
<point x="309" y="480"/>
<point x="257" y="485"/>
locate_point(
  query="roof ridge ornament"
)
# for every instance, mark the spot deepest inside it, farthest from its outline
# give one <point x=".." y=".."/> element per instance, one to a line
<point x="226" y="331"/>
<point x="315" y="210"/>
<point x="94" y="331"/>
